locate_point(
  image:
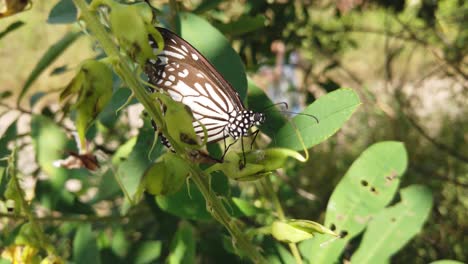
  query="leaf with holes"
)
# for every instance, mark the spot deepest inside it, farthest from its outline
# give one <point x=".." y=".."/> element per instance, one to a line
<point x="393" y="227"/>
<point x="368" y="186"/>
<point x="331" y="110"/>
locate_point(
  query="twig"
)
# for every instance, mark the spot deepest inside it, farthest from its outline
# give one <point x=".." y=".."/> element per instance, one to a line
<point x="436" y="143"/>
<point x="268" y="187"/>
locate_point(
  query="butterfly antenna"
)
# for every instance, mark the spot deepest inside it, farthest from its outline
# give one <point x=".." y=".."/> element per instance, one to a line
<point x="303" y="114"/>
<point x="273" y="105"/>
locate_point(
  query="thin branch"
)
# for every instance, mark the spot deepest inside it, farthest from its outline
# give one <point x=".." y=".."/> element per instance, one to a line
<point x="436" y="143"/>
<point x="268" y="187"/>
<point x="80" y="218"/>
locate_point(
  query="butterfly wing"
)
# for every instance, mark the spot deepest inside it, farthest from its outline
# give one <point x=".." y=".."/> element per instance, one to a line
<point x="189" y="77"/>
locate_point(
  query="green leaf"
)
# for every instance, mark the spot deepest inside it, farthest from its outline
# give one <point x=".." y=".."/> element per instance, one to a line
<point x="243" y="25"/>
<point x="187" y="203"/>
<point x="393" y="227"/>
<point x="206" y="5"/>
<point x="215" y="47"/>
<point x="85" y="248"/>
<point x="109" y="115"/>
<point x="332" y="111"/>
<point x="64" y="12"/>
<point x="35" y="98"/>
<point x="368" y="186"/>
<point x="12" y="27"/>
<point x="167" y="176"/>
<point x="120" y="243"/>
<point x="48" y="58"/>
<point x="183" y="245"/>
<point x="147" y="252"/>
<point x="93" y="87"/>
<point x="242" y="207"/>
<point x="5" y="94"/>
<point x="132" y="169"/>
<point x="8" y="135"/>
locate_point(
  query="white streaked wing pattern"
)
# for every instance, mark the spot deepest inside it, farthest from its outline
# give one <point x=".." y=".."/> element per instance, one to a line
<point x="210" y="104"/>
<point x="189" y="78"/>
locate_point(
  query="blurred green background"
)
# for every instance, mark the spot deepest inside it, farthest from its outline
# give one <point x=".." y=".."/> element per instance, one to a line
<point x="406" y="59"/>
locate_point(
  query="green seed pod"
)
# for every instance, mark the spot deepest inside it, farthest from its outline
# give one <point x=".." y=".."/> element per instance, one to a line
<point x="293" y="231"/>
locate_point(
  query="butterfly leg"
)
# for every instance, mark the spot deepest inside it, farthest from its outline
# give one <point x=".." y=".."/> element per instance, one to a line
<point x="226" y="149"/>
<point x="254" y="134"/>
<point x="244" y="159"/>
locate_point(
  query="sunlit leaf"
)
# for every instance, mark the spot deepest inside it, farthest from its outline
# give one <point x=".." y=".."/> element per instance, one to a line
<point x="393" y="227"/>
<point x="331" y="110"/>
<point x="368" y="186"/>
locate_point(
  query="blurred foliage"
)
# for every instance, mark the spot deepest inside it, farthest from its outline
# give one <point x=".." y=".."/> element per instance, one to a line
<point x="406" y="61"/>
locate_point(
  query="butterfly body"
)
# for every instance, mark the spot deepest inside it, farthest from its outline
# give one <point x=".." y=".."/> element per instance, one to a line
<point x="188" y="77"/>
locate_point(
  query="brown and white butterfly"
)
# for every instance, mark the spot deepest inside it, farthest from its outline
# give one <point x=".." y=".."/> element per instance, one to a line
<point x="188" y="77"/>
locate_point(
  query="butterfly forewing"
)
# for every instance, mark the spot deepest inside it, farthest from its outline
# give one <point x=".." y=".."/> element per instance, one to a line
<point x="188" y="77"/>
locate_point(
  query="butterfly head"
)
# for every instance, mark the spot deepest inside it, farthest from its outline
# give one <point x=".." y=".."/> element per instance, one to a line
<point x="242" y="121"/>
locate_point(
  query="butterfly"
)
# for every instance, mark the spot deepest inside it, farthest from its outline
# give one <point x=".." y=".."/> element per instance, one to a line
<point x="188" y="77"/>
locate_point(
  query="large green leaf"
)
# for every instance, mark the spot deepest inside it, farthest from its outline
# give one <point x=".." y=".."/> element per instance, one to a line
<point x="85" y="248"/>
<point x="215" y="47"/>
<point x="332" y="111"/>
<point x="48" y="58"/>
<point x="368" y="186"/>
<point x="132" y="169"/>
<point x="393" y="227"/>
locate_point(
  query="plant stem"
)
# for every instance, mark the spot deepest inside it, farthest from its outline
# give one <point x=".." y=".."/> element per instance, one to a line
<point x="122" y="67"/>
<point x="268" y="186"/>
<point x="36" y="228"/>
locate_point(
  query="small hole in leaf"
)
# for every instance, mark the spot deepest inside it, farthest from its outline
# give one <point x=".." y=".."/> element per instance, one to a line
<point x="372" y="189"/>
<point x="10" y="209"/>
<point x="364" y="183"/>
<point x="332" y="227"/>
<point x="122" y="158"/>
<point x="343" y="234"/>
